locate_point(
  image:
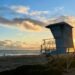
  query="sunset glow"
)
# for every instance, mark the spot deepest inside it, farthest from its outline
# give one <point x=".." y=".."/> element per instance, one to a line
<point x="22" y="22"/>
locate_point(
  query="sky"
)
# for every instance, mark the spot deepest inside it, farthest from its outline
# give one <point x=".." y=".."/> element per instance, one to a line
<point x="22" y="22"/>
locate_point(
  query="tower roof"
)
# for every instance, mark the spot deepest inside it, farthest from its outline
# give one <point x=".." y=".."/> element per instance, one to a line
<point x="58" y="24"/>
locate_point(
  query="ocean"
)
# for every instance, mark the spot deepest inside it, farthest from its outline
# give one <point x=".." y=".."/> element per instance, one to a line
<point x="18" y="52"/>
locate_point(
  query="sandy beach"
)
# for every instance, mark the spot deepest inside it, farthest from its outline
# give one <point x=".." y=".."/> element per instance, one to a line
<point x="11" y="62"/>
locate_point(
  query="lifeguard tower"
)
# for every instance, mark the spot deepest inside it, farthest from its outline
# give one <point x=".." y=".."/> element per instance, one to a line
<point x="62" y="33"/>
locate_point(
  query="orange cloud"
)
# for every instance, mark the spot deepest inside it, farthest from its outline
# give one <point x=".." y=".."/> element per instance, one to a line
<point x="22" y="24"/>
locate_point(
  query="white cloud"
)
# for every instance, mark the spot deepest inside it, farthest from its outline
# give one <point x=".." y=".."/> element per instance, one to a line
<point x="37" y="13"/>
<point x="56" y="12"/>
<point x="27" y="10"/>
<point x="20" y="9"/>
<point x="59" y="9"/>
<point x="46" y="15"/>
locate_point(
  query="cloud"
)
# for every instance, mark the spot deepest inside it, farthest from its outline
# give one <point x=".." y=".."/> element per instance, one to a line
<point x="59" y="9"/>
<point x="2" y="43"/>
<point x="22" y="23"/>
<point x="29" y="25"/>
<point x="28" y="10"/>
<point x="5" y="21"/>
<point x="20" y="9"/>
<point x="18" y="45"/>
<point x="53" y="14"/>
<point x="11" y="44"/>
<point x="42" y="17"/>
<point x="37" y="13"/>
<point x="23" y="10"/>
<point x="45" y="16"/>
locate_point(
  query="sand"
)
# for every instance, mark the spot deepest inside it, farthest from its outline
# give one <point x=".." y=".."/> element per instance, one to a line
<point x="11" y="62"/>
